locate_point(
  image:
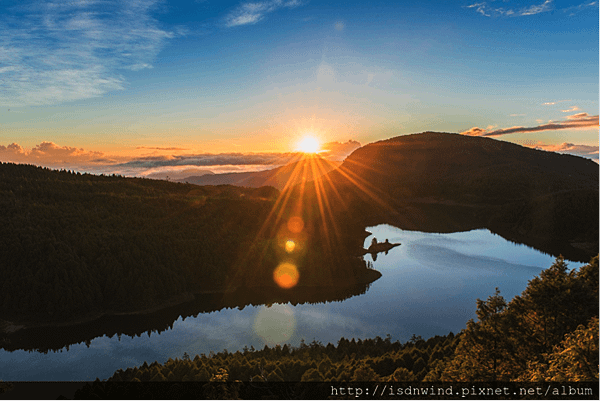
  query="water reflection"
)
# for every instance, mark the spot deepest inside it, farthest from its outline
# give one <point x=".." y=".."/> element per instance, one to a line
<point x="429" y="287"/>
<point x="45" y="339"/>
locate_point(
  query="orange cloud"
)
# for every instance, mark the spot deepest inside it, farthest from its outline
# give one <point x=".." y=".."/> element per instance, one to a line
<point x="580" y="120"/>
<point x="590" y="152"/>
<point x="157" y="165"/>
<point x="338" y="150"/>
<point x="50" y="154"/>
<point x="159" y="148"/>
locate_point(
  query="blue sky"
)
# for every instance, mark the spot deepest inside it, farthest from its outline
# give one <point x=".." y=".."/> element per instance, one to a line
<point x="87" y="82"/>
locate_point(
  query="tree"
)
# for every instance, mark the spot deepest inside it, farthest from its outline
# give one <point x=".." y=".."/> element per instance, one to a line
<point x="312" y="375"/>
<point x="575" y="359"/>
<point x="552" y="305"/>
<point x="485" y="351"/>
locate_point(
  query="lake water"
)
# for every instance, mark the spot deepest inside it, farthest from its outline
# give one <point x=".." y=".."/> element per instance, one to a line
<point x="429" y="287"/>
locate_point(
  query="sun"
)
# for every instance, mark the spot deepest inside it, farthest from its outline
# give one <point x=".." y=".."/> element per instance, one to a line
<point x="309" y="144"/>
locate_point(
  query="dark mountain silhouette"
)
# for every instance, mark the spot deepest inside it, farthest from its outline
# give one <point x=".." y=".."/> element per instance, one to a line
<point x="290" y="174"/>
<point x="442" y="182"/>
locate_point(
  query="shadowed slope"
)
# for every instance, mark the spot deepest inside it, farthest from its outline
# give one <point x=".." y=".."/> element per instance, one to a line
<point x="449" y="182"/>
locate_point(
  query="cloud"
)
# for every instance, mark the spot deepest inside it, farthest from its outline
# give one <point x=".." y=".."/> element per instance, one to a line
<point x="52" y="155"/>
<point x="475" y="131"/>
<point x="338" y="150"/>
<point x="576" y="9"/>
<point x="537" y="9"/>
<point x="487" y="10"/>
<point x="49" y="154"/>
<point x="479" y="7"/>
<point x="556" y="101"/>
<point x="55" y="51"/>
<point x="590" y="152"/>
<point x="571" y="109"/>
<point x="159" y="148"/>
<point x="580" y="120"/>
<point x="251" y="13"/>
<point x="582" y="117"/>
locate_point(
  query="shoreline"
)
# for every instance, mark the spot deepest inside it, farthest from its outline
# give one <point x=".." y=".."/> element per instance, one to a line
<point x="10" y="327"/>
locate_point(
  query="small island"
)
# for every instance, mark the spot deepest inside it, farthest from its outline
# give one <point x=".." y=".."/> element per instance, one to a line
<point x="377" y="247"/>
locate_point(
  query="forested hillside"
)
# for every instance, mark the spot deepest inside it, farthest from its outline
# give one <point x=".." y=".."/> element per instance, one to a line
<point x="78" y="244"/>
<point x="75" y="246"/>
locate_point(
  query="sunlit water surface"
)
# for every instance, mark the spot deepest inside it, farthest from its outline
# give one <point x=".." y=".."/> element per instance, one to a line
<point x="429" y="287"/>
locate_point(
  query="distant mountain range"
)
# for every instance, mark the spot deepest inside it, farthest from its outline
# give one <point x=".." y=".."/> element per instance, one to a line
<point x="291" y="174"/>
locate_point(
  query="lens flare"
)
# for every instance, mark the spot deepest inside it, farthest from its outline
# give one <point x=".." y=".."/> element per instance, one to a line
<point x="275" y="324"/>
<point x="290" y="246"/>
<point x="286" y="275"/>
<point x="295" y="224"/>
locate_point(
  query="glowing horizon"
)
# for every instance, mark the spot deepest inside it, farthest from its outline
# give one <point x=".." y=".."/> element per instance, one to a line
<point x="165" y="79"/>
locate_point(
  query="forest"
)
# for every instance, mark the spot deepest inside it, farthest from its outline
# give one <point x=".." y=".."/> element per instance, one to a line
<point x="548" y="333"/>
<point x="77" y="246"/>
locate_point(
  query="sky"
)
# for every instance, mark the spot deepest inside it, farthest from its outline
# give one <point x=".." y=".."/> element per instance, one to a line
<point x="139" y="86"/>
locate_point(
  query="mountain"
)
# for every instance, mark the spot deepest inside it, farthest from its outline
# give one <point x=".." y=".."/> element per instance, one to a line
<point x="177" y="175"/>
<point x="441" y="182"/>
<point x="280" y="177"/>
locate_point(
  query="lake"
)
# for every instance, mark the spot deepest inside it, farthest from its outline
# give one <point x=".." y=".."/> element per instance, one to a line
<point x="429" y="287"/>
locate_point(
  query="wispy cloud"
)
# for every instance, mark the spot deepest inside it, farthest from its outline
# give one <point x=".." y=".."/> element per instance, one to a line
<point x="571" y="109"/>
<point x="486" y="9"/>
<point x="208" y="159"/>
<point x="537" y="8"/>
<point x="159" y="148"/>
<point x="578" y="8"/>
<point x="253" y="12"/>
<point x="57" y="51"/>
<point x="590" y="152"/>
<point x="554" y="102"/>
<point x="480" y="8"/>
<point x="580" y="120"/>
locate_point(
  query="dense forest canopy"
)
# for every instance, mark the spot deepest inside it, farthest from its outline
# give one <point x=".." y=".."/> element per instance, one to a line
<point x="81" y="245"/>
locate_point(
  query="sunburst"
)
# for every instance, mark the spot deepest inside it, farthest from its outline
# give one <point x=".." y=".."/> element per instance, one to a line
<point x="309" y="144"/>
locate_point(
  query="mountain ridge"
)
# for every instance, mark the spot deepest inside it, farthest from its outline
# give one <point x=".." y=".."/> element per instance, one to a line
<point x="278" y="177"/>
